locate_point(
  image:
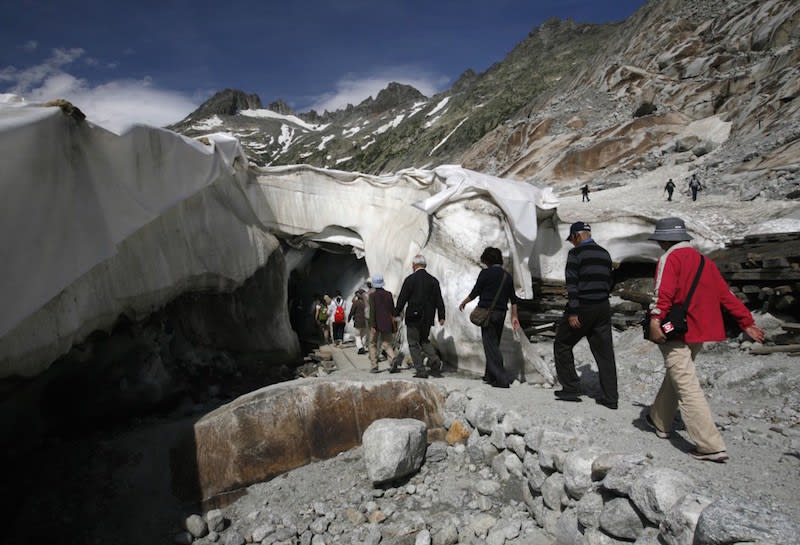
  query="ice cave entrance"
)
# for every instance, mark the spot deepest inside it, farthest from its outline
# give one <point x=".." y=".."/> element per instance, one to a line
<point x="322" y="269"/>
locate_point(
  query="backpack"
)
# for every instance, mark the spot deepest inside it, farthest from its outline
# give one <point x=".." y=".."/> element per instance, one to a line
<point x="338" y="315"/>
<point x="322" y="315"/>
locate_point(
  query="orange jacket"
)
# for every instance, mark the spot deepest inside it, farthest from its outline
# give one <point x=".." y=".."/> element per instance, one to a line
<point x="674" y="275"/>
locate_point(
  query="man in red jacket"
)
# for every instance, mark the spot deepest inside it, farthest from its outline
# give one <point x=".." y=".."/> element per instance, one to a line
<point x="675" y="273"/>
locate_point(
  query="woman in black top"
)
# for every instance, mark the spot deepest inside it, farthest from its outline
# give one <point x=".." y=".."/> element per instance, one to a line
<point x="494" y="284"/>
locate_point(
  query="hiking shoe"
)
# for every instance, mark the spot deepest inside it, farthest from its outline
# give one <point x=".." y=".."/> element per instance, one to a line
<point x="436" y="366"/>
<point x="652" y="426"/>
<point x="362" y="350"/>
<point x="720" y="457"/>
<point x="374" y="370"/>
<point x="606" y="403"/>
<point x="566" y="395"/>
<point x="421" y="373"/>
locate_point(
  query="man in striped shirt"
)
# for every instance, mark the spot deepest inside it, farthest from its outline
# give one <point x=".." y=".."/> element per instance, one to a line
<point x="588" y="314"/>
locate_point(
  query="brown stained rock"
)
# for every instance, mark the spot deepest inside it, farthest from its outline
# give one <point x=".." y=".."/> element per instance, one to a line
<point x="376" y="517"/>
<point x="458" y="433"/>
<point x="281" y="427"/>
<point x="67" y="108"/>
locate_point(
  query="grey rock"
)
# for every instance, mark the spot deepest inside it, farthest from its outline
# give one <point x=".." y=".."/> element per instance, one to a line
<point x="446" y="535"/>
<point x="603" y="464"/>
<point x="679" y="524"/>
<point x="456" y="402"/>
<point x="657" y="490"/>
<point x="727" y="521"/>
<point x="593" y="536"/>
<point x="498" y="437"/>
<point x="503" y="531"/>
<point x="588" y="509"/>
<point x="553" y="448"/>
<point x="320" y="525"/>
<point x="550" y="520"/>
<point x="317" y="539"/>
<point x="394" y="448"/>
<point x="499" y="465"/>
<point x="620" y="519"/>
<point x="578" y="470"/>
<point x="215" y="520"/>
<point x="234" y="538"/>
<point x="482" y="414"/>
<point x="260" y="533"/>
<point x="567" y="531"/>
<point x="533" y="471"/>
<point x="649" y="536"/>
<point x="624" y="473"/>
<point x="423" y="538"/>
<point x="183" y="538"/>
<point x="487" y="487"/>
<point x="553" y="491"/>
<point x="516" y="444"/>
<point x="533" y="438"/>
<point x="481" y="524"/>
<point x="436" y="452"/>
<point x="196" y="526"/>
<point x="513" y="464"/>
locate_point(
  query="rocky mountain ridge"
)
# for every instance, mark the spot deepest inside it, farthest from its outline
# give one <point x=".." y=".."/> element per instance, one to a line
<point x="575" y="103"/>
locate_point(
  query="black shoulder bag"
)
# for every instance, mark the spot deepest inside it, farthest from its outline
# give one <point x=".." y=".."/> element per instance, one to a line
<point x="674" y="323"/>
<point x="479" y="315"/>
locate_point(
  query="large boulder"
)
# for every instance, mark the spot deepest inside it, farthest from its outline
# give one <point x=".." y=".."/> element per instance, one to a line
<point x="284" y="426"/>
<point x="393" y="448"/>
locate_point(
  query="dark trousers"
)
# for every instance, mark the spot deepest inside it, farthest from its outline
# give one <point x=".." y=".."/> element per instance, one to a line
<point x="596" y="327"/>
<point x="338" y="331"/>
<point x="694" y="193"/>
<point x="669" y="195"/>
<point x="420" y="345"/>
<point x="490" y="335"/>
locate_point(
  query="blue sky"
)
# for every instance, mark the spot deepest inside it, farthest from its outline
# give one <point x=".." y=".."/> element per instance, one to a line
<point x="154" y="62"/>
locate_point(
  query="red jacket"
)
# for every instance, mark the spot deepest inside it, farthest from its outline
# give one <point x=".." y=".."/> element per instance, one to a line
<point x="674" y="275"/>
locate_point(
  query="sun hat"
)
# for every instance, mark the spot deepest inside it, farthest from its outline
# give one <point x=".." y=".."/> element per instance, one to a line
<point x="670" y="230"/>
<point x="377" y="281"/>
<point x="577" y="227"/>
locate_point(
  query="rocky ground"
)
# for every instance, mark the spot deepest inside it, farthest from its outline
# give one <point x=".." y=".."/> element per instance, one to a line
<point x="452" y="499"/>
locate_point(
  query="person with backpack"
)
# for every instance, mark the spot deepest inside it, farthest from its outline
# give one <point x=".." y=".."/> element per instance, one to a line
<point x="321" y="316"/>
<point x="695" y="186"/>
<point x="337" y="318"/>
<point x="669" y="188"/>
<point x="358" y="316"/>
<point x="682" y="274"/>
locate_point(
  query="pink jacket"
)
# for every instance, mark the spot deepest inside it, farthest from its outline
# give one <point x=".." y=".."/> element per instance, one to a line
<point x="674" y="275"/>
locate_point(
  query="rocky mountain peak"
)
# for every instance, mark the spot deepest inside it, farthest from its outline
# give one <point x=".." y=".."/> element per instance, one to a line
<point x="395" y="95"/>
<point x="228" y="102"/>
<point x="280" y="107"/>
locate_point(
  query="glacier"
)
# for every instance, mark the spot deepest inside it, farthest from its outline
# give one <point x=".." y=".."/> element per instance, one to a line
<point x="99" y="225"/>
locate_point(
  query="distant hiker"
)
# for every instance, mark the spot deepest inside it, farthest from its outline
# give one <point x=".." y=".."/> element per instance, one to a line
<point x="359" y="319"/>
<point x="585" y="193"/>
<point x="495" y="287"/>
<point x="382" y="324"/>
<point x="321" y="316"/>
<point x="422" y="294"/>
<point x="676" y="272"/>
<point x="588" y="314"/>
<point x="336" y="315"/>
<point x="669" y="188"/>
<point x="694" y="186"/>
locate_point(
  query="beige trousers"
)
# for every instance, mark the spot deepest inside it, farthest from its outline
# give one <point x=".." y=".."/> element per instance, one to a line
<point x="681" y="389"/>
<point x="380" y="341"/>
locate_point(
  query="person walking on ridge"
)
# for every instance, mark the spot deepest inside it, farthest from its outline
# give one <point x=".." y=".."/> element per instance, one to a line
<point x="422" y="294"/>
<point x="694" y="186"/>
<point x="669" y="188"/>
<point x="588" y="314"/>
<point x="677" y="270"/>
<point x="585" y="193"/>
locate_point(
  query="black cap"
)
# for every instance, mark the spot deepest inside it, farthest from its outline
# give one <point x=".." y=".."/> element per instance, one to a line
<point x="577" y="227"/>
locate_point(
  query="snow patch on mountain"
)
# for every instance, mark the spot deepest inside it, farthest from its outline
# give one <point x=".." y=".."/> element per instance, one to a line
<point x="288" y="118"/>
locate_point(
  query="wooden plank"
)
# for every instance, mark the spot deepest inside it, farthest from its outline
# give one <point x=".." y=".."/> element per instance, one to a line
<point x="773" y="275"/>
<point x="761" y="350"/>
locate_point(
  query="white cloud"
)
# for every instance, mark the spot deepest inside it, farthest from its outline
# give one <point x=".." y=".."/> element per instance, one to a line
<point x="30" y="45"/>
<point x="352" y="89"/>
<point x="116" y="105"/>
